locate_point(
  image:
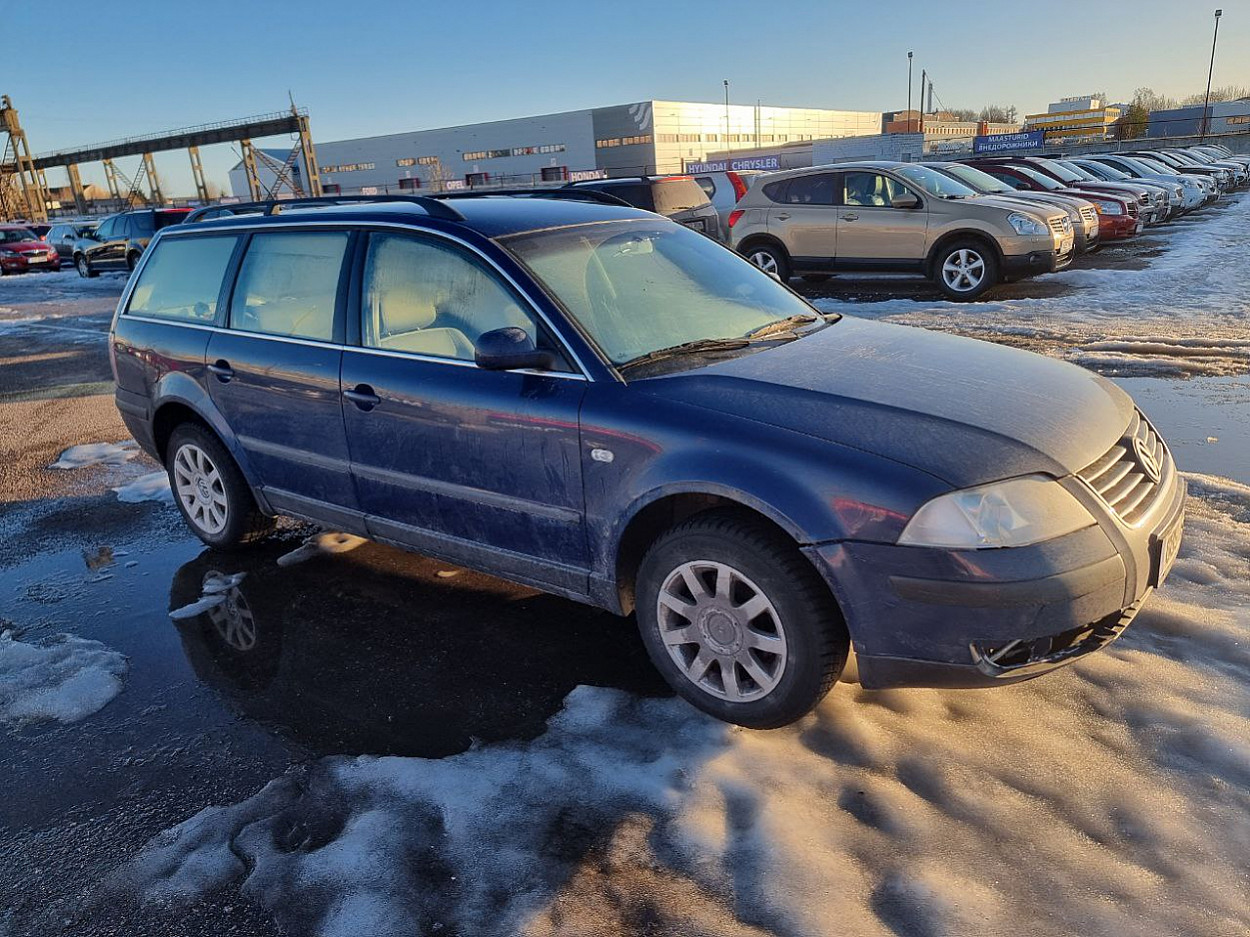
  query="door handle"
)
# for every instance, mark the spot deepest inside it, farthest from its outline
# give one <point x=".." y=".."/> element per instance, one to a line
<point x="362" y="395"/>
<point x="782" y="216"/>
<point x="850" y="216"/>
<point x="222" y="370"/>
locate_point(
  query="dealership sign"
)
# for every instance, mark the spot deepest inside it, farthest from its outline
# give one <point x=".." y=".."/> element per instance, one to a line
<point x="582" y="175"/>
<point x="766" y="163"/>
<point x="1002" y="142"/>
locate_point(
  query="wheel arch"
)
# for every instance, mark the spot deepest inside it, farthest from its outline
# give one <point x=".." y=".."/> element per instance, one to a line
<point x="181" y="399"/>
<point x="971" y="234"/>
<point x="760" y="240"/>
<point x="662" y="510"/>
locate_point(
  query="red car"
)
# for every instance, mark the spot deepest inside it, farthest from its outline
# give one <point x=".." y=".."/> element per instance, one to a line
<point x="1118" y="216"/>
<point x="21" y="250"/>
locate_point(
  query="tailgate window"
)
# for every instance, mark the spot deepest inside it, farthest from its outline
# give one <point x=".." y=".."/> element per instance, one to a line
<point x="674" y="195"/>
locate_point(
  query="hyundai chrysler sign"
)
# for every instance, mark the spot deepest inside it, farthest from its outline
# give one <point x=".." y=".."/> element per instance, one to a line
<point x="766" y="163"/>
<point x="1005" y="142"/>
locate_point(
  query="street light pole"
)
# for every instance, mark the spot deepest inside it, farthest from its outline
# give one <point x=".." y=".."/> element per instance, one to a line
<point x="726" y="113"/>
<point x="909" y="91"/>
<point x="1206" y="101"/>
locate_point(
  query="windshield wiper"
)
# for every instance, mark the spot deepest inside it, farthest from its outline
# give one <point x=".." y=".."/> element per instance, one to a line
<point x="787" y="324"/>
<point x="697" y="347"/>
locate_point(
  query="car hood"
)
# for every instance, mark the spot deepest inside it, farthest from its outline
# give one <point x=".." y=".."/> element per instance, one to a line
<point x="962" y="410"/>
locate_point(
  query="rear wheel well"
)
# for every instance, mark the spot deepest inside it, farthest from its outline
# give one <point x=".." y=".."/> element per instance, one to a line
<point x="758" y="240"/>
<point x="947" y="239"/>
<point x="659" y="516"/>
<point x="167" y="418"/>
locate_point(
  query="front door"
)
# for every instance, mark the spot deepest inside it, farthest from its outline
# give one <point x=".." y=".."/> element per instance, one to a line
<point x="274" y="371"/>
<point x="481" y="467"/>
<point x="871" y="232"/>
<point x="807" y="221"/>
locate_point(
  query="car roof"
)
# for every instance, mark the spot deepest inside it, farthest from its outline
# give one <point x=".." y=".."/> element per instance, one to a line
<point x="489" y="215"/>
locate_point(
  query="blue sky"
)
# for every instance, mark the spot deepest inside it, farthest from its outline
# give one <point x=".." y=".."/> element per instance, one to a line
<point x="98" y="71"/>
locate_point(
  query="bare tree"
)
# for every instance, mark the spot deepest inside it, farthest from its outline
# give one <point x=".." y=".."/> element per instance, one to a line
<point x="1227" y="93"/>
<point x="998" y="114"/>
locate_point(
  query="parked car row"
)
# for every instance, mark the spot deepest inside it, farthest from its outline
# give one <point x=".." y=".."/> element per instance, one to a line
<point x="972" y="224"/>
<point x="112" y="243"/>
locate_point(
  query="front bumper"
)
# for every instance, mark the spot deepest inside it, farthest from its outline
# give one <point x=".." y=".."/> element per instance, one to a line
<point x="1119" y="227"/>
<point x="977" y="618"/>
<point x="1016" y="266"/>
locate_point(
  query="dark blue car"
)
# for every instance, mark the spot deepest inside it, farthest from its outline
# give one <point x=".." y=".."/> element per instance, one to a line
<point x="600" y="403"/>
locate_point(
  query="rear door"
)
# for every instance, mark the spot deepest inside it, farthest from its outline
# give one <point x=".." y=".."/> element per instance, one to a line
<point x="450" y="458"/>
<point x="274" y="370"/>
<point x="806" y="219"/>
<point x="873" y="233"/>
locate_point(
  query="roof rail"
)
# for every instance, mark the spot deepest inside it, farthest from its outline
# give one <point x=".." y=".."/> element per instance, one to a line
<point x="433" y="207"/>
<point x="563" y="193"/>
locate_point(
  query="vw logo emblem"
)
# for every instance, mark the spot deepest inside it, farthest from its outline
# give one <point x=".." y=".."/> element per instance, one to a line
<point x="1146" y="459"/>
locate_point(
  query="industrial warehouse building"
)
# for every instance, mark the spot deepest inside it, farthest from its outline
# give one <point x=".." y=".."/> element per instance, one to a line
<point x="625" y="139"/>
<point x="1223" y="117"/>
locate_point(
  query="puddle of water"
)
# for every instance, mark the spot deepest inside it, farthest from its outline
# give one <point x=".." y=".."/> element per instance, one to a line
<point x="1192" y="413"/>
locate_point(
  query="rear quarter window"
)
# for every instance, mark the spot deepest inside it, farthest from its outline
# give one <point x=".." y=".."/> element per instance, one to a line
<point x="182" y="279"/>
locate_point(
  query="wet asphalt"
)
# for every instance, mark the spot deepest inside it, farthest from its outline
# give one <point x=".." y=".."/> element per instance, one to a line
<point x="374" y="651"/>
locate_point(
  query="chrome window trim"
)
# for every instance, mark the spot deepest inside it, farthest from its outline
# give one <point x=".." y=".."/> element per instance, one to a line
<point x="171" y="232"/>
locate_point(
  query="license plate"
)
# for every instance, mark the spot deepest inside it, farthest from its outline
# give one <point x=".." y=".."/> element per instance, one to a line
<point x="1168" y="548"/>
<point x="1065" y="245"/>
<point x="697" y="224"/>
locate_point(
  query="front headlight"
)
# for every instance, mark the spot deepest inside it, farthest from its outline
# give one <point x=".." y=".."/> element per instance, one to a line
<point x="1012" y="513"/>
<point x="1024" y="224"/>
<point x="8" y="253"/>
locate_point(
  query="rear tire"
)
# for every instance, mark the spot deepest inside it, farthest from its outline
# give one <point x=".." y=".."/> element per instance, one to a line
<point x="83" y="266"/>
<point x="772" y="260"/>
<point x="738" y="622"/>
<point x="965" y="269"/>
<point x="210" y="491"/>
<point x="131" y="260"/>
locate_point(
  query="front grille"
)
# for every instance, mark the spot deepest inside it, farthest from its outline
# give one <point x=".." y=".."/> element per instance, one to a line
<point x="1120" y="477"/>
<point x="1060" y="225"/>
<point x="1089" y="214"/>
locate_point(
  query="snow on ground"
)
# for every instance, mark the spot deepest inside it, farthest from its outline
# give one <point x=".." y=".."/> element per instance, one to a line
<point x="97" y="453"/>
<point x="56" y="289"/>
<point x="153" y="486"/>
<point x="1186" y="313"/>
<point x="67" y="678"/>
<point x="1112" y="797"/>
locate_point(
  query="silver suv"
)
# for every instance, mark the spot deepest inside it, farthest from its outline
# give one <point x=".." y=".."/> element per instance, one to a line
<point x="896" y="217"/>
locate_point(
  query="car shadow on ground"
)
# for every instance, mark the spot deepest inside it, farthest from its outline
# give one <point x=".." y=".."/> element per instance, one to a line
<point x="383" y="653"/>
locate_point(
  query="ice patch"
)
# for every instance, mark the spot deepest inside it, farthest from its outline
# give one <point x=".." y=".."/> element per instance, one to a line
<point x="1112" y="797"/>
<point x="322" y="544"/>
<point x="153" y="486"/>
<point x="97" y="453"/>
<point x="66" y="679"/>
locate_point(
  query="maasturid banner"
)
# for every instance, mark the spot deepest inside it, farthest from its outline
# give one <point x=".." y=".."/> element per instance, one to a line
<point x="1004" y="142"/>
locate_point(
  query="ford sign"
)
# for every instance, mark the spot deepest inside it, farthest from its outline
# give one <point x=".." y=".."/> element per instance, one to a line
<point x="1004" y="142"/>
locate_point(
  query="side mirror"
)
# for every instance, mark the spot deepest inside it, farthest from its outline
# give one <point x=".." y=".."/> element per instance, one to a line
<point x="508" y="349"/>
<point x="906" y="200"/>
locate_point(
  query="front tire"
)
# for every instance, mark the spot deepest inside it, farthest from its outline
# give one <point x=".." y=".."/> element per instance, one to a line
<point x="964" y="270"/>
<point x="210" y="491"/>
<point x="83" y="266"/>
<point x="772" y="260"/>
<point x="132" y="259"/>
<point x="737" y="620"/>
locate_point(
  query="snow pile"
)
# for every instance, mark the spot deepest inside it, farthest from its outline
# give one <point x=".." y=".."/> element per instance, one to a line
<point x="326" y="543"/>
<point x="97" y="453"/>
<point x="1186" y="313"/>
<point x="153" y="486"/>
<point x="216" y="590"/>
<point x="1112" y="797"/>
<point x="66" y="679"/>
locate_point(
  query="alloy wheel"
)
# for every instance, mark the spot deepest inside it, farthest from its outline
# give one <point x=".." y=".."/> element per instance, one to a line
<point x="81" y="264"/>
<point x="765" y="261"/>
<point x="233" y="617"/>
<point x="200" y="489"/>
<point x="722" y="631"/>
<point x="963" y="270"/>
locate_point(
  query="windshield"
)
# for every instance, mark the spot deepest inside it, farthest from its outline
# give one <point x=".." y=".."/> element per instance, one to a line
<point x="1078" y="172"/>
<point x="1105" y="171"/>
<point x="1039" y="177"/>
<point x="973" y="177"/>
<point x="935" y="183"/>
<point x="1067" y="175"/>
<point x="1150" y="165"/>
<point x="640" y="286"/>
<point x="14" y="235"/>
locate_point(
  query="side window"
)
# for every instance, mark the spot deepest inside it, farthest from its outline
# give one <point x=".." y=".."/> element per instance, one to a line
<point x="141" y="225"/>
<point x="288" y="284"/>
<point x="637" y="194"/>
<point x="434" y="299"/>
<point x="125" y="227"/>
<point x="870" y="189"/>
<point x="776" y="191"/>
<point x="811" y="190"/>
<point x="182" y="278"/>
<point x="706" y="184"/>
<point x="106" y="229"/>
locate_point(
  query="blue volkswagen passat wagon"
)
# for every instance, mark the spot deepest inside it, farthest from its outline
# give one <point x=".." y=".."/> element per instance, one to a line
<point x="600" y="403"/>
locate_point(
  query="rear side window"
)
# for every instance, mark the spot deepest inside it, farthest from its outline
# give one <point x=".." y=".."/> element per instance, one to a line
<point x="288" y="284"/>
<point x="637" y="194"/>
<point x="182" y="279"/>
<point x="811" y="190"/>
<point x="776" y="191"/>
<point x="706" y="184"/>
<point x="141" y="225"/>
